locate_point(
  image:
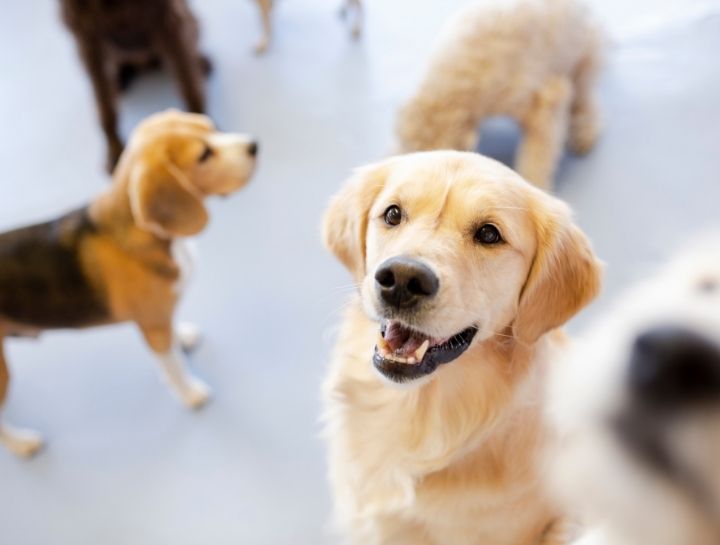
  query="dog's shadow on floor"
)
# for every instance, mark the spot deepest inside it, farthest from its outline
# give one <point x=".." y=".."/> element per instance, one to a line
<point x="499" y="139"/>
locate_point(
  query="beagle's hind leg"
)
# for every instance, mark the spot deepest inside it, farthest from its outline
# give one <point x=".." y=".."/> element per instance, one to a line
<point x="188" y="335"/>
<point x="265" y="7"/>
<point x="21" y="442"/>
<point x="166" y="345"/>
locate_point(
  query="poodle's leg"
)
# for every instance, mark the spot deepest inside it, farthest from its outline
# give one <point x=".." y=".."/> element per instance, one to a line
<point x="183" y="59"/>
<point x="584" y="113"/>
<point x="103" y="83"/>
<point x="265" y="11"/>
<point x="20" y="442"/>
<point x="193" y="392"/>
<point x="545" y="128"/>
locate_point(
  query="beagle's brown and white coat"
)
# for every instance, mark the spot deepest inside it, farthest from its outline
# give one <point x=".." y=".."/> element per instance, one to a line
<point x="119" y="259"/>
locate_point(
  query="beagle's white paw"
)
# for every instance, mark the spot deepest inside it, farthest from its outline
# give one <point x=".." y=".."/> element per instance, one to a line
<point x="21" y="442"/>
<point x="195" y="394"/>
<point x="188" y="335"/>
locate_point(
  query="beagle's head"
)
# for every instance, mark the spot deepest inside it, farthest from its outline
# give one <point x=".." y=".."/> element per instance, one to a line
<point x="173" y="161"/>
<point x="451" y="249"/>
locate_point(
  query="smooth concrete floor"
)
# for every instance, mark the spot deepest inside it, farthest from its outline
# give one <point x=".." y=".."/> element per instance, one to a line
<point x="125" y="464"/>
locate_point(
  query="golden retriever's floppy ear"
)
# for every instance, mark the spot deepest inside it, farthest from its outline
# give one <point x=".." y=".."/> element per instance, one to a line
<point x="564" y="277"/>
<point x="164" y="202"/>
<point x="346" y="219"/>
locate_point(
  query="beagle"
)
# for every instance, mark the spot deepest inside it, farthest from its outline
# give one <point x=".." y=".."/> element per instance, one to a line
<point x="120" y="258"/>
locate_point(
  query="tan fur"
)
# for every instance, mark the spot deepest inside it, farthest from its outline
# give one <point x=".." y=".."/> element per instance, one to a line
<point x="350" y="9"/>
<point x="533" y="60"/>
<point x="156" y="197"/>
<point x="451" y="460"/>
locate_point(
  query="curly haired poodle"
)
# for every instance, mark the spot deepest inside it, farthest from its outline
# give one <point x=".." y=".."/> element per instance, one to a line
<point x="533" y="60"/>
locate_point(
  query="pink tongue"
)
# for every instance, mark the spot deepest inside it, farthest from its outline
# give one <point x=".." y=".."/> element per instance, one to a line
<point x="403" y="341"/>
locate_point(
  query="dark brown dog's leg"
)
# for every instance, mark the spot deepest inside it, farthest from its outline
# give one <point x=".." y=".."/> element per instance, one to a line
<point x="23" y="443"/>
<point x="168" y="347"/>
<point x="185" y="63"/>
<point x="91" y="51"/>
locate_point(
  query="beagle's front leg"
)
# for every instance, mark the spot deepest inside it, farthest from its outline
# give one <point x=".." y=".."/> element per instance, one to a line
<point x="168" y="349"/>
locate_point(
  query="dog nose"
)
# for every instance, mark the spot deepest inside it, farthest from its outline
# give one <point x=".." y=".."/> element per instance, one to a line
<point x="253" y="148"/>
<point x="403" y="282"/>
<point x="673" y="367"/>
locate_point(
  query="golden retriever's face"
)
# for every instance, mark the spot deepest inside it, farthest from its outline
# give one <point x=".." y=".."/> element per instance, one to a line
<point x="173" y="161"/>
<point x="448" y="245"/>
<point x="638" y="405"/>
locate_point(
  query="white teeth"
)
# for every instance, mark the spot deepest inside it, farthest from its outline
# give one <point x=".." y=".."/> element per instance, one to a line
<point x="420" y="352"/>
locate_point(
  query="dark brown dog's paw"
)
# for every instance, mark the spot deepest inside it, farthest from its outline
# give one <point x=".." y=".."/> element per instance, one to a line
<point x="206" y="65"/>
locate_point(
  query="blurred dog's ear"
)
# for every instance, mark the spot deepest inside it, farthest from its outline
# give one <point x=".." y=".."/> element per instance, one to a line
<point x="564" y="277"/>
<point x="164" y="201"/>
<point x="346" y="219"/>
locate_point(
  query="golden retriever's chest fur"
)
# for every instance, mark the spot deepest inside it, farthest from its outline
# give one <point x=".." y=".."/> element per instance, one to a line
<point x="452" y="463"/>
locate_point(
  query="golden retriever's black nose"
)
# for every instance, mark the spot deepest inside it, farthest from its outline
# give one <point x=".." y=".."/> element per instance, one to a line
<point x="403" y="282"/>
<point x="253" y="148"/>
<point x="673" y="367"/>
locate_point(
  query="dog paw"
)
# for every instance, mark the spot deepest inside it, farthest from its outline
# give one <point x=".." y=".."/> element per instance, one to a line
<point x="261" y="47"/>
<point x="196" y="393"/>
<point x="206" y="65"/>
<point x="188" y="335"/>
<point x="21" y="442"/>
<point x="584" y="133"/>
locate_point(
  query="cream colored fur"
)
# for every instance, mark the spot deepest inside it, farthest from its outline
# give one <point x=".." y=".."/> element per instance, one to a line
<point x="532" y="60"/>
<point x="621" y="496"/>
<point x="451" y="459"/>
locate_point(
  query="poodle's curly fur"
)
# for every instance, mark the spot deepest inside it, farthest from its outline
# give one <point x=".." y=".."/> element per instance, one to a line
<point x="533" y="60"/>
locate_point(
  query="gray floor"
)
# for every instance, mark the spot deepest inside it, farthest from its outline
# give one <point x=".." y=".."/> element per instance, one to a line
<point x="127" y="465"/>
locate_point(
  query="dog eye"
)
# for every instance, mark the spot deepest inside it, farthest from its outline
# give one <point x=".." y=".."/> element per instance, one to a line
<point x="206" y="154"/>
<point x="393" y="215"/>
<point x="488" y="234"/>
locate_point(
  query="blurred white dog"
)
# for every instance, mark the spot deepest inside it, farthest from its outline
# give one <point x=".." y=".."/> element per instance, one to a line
<point x="638" y="407"/>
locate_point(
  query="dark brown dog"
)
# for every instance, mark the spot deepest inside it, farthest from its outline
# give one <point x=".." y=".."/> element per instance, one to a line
<point x="118" y="38"/>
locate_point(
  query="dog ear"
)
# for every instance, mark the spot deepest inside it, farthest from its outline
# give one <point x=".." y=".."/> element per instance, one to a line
<point x="346" y="219"/>
<point x="163" y="201"/>
<point x="564" y="277"/>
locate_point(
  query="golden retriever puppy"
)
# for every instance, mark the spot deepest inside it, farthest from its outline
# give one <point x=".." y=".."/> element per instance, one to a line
<point x="532" y="60"/>
<point x="350" y="9"/>
<point x="433" y="406"/>
<point x="121" y="258"/>
<point x="637" y="404"/>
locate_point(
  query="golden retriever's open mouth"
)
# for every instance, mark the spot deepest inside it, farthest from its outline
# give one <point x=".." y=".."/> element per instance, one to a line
<point x="403" y="354"/>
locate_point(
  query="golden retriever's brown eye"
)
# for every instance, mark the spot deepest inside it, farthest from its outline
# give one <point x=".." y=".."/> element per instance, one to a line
<point x="393" y="215"/>
<point x="206" y="154"/>
<point x="488" y="234"/>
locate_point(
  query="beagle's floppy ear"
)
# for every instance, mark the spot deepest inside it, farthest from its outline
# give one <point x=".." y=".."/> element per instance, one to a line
<point x="346" y="219"/>
<point x="564" y="277"/>
<point x="164" y="202"/>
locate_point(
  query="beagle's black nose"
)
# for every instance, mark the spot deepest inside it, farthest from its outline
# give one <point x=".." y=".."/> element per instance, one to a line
<point x="404" y="282"/>
<point x="673" y="367"/>
<point x="253" y="148"/>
